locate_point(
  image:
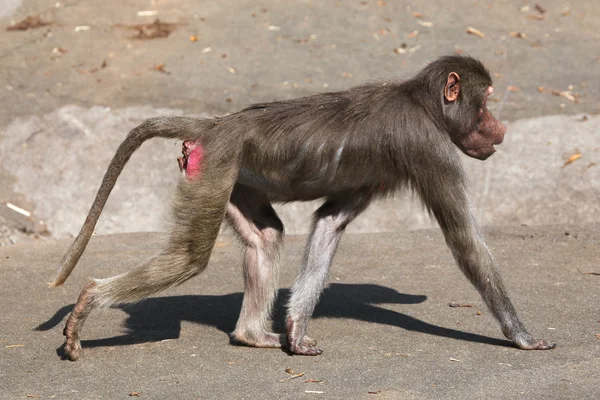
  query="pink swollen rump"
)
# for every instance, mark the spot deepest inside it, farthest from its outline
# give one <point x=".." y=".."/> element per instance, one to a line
<point x="191" y="161"/>
<point x="194" y="161"/>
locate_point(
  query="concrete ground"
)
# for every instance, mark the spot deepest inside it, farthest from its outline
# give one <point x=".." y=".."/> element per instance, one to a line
<point x="72" y="88"/>
<point x="384" y="323"/>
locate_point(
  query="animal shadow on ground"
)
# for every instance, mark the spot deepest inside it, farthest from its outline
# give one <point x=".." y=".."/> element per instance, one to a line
<point x="160" y="318"/>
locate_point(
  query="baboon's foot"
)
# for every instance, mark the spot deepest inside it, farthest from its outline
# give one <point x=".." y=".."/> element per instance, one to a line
<point x="72" y="342"/>
<point x="75" y="322"/>
<point x="264" y="339"/>
<point x="190" y="163"/>
<point x="304" y="345"/>
<point x="255" y="339"/>
<point x="528" y="342"/>
<point x="308" y="341"/>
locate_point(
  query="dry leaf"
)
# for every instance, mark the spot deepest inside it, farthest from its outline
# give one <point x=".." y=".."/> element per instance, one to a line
<point x="154" y="30"/>
<point x="347" y="75"/>
<point x="161" y="68"/>
<point x="193" y="38"/>
<point x="231" y="70"/>
<point x="147" y="13"/>
<point x="425" y="23"/>
<point x="413" y="34"/>
<point x="573" y="158"/>
<point x="473" y="31"/>
<point x="513" y="89"/>
<point x="31" y="22"/>
<point x="519" y="35"/>
<point x="566" y="12"/>
<point x="381" y="3"/>
<point x="313" y="381"/>
<point x="589" y="273"/>
<point x="134" y="394"/>
<point x="401" y="49"/>
<point x="413" y="49"/>
<point x="541" y="89"/>
<point x="540" y="8"/>
<point x="295" y="375"/>
<point x="597" y="336"/>
<point x="537" y="43"/>
<point x="417" y="15"/>
<point x="536" y="17"/>
<point x="566" y="94"/>
<point x="455" y="305"/>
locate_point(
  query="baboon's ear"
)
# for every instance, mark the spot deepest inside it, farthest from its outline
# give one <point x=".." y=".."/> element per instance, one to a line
<point x="452" y="89"/>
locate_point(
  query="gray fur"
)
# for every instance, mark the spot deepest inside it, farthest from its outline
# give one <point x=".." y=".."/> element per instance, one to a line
<point x="347" y="147"/>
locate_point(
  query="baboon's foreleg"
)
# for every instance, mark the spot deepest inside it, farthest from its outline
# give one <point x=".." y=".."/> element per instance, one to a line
<point x="329" y="223"/>
<point x="451" y="209"/>
<point x="198" y="210"/>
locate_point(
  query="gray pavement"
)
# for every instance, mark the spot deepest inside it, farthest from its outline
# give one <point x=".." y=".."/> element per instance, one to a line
<point x="72" y="89"/>
<point x="384" y="324"/>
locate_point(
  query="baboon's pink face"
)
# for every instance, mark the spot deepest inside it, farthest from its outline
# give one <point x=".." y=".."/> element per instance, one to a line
<point x="487" y="131"/>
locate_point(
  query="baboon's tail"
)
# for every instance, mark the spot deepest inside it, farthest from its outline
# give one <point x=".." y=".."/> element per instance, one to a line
<point x="167" y="127"/>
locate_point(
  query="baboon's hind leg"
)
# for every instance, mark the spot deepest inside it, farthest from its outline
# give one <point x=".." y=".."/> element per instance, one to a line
<point x="198" y="211"/>
<point x="260" y="231"/>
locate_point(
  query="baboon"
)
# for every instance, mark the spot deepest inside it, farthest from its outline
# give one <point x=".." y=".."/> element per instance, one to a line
<point x="348" y="148"/>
